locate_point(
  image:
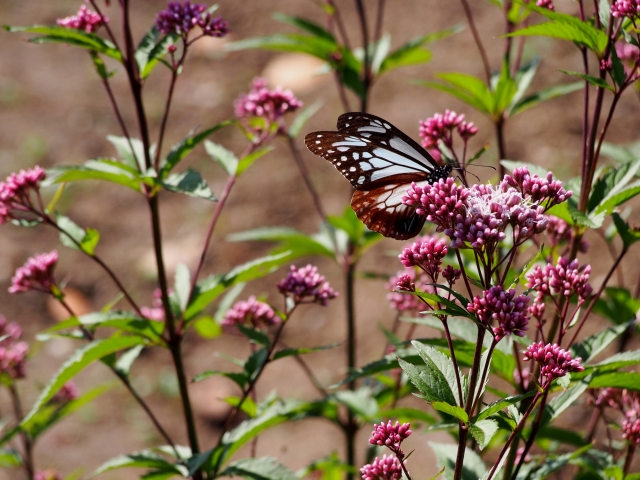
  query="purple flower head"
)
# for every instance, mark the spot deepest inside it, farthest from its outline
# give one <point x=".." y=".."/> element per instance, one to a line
<point x="386" y="468"/>
<point x="13" y="359"/>
<point x="466" y="130"/>
<point x="265" y="103"/>
<point x="12" y="331"/>
<point x="439" y="128"/>
<point x="506" y="309"/>
<point x="451" y="274"/>
<point x="85" y="20"/>
<point x="390" y="436"/>
<point x="440" y="202"/>
<point x="426" y="253"/>
<point x="306" y="285"/>
<point x="35" y="274"/>
<point x="68" y="392"/>
<point x="631" y="431"/>
<point x="625" y="8"/>
<point x="404" y="280"/>
<point x="554" y="361"/>
<point x="545" y="4"/>
<point x="565" y="278"/>
<point x="47" y="475"/>
<point x="252" y="313"/>
<point x="15" y="192"/>
<point x="542" y="191"/>
<point x="607" y="397"/>
<point x="181" y="17"/>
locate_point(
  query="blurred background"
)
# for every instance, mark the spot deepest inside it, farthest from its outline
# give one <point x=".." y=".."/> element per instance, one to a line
<point x="53" y="111"/>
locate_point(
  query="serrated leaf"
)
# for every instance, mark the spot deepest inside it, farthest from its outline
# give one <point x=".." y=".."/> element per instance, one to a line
<point x="361" y="402"/>
<point x="483" y="431"/>
<point x="239" y="378"/>
<point x="225" y="158"/>
<point x="452" y="410"/>
<point x="440" y="374"/>
<point x="628" y="380"/>
<point x="78" y="360"/>
<point x="189" y="183"/>
<point x="297" y="243"/>
<point x="446" y="455"/>
<point x="9" y="458"/>
<point x="588" y="348"/>
<point x="130" y="150"/>
<point x="264" y="468"/>
<point x="151" y="49"/>
<point x="70" y="36"/>
<point x="211" y="287"/>
<point x="74" y="236"/>
<point x="628" y="235"/>
<point x="184" y="147"/>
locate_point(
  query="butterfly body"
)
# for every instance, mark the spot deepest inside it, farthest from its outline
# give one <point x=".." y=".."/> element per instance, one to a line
<point x="380" y="162"/>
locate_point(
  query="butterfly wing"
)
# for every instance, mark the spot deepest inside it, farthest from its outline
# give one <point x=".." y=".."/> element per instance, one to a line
<point x="366" y="164"/>
<point x="382" y="211"/>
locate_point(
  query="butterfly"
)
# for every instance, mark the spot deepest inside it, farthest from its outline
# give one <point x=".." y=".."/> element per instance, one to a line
<point x="380" y="162"/>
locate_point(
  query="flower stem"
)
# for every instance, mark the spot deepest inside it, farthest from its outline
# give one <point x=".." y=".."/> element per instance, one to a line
<point x="478" y="40"/>
<point x="351" y="428"/>
<point x="26" y="438"/>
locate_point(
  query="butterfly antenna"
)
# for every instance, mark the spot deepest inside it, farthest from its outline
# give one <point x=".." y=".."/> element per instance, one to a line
<point x="484" y="166"/>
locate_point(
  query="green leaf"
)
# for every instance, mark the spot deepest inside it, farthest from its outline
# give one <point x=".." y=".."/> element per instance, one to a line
<point x="598" y="82"/>
<point x="501" y="404"/>
<point x="413" y="52"/>
<point x="302" y="118"/>
<point x="611" y="182"/>
<point x="593" y="345"/>
<point x="226" y="158"/>
<point x="287" y="352"/>
<point x="124" y="321"/>
<point x="619" y="360"/>
<point x="319" y="47"/>
<point x="452" y="410"/>
<point x="435" y="379"/>
<point x="446" y="455"/>
<point x="467" y="88"/>
<point x="264" y="468"/>
<point x="556" y="434"/>
<point x="125" y="362"/>
<point x="143" y="459"/>
<point x="100" y="67"/>
<point x="207" y="327"/>
<point x="306" y="25"/>
<point x="483" y="431"/>
<point x="361" y="402"/>
<point x="247" y="161"/>
<point x="189" y="183"/>
<point x="565" y="27"/>
<point x="543" y="95"/>
<point x="628" y="235"/>
<point x="184" y="147"/>
<point x="298" y="244"/>
<point x="239" y="378"/>
<point x="70" y="36"/>
<point x="76" y="237"/>
<point x="9" y="458"/>
<point x="564" y="400"/>
<point x="182" y="285"/>
<point x="80" y="359"/>
<point x="99" y="169"/>
<point x="255" y="363"/>
<point x="256" y="336"/>
<point x="628" y="380"/>
<point x="210" y="288"/>
<point x="151" y="49"/>
<point x="131" y="152"/>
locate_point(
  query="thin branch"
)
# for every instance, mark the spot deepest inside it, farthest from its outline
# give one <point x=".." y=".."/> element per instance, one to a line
<point x="478" y="40"/>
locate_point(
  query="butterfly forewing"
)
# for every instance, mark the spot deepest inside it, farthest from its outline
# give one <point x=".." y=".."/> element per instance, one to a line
<point x="365" y="164"/>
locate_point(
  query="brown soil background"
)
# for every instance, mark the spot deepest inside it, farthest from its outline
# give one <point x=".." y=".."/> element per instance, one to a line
<point x="53" y="111"/>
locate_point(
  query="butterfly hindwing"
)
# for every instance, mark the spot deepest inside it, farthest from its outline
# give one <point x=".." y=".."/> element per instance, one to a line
<point x="382" y="210"/>
<point x="367" y="165"/>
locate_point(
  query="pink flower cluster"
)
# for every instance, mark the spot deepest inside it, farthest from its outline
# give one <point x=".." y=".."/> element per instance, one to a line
<point x="306" y="285"/>
<point x="560" y="232"/>
<point x="85" y="20"/>
<point x="15" y="192"/>
<point x="35" y="274"/>
<point x="156" y="310"/>
<point x="625" y="8"/>
<point x="628" y="403"/>
<point x="545" y="4"/>
<point x="181" y="17"/>
<point x="390" y="436"/>
<point x="406" y="280"/>
<point x="265" y="103"/>
<point x="565" y="278"/>
<point x="427" y="254"/>
<point x="252" y="313"/>
<point x="629" y="54"/>
<point x="504" y="308"/>
<point x="440" y="128"/>
<point x="13" y="352"/>
<point x="68" y="392"/>
<point x="542" y="191"/>
<point x="554" y="361"/>
<point x="386" y="468"/>
<point x="47" y="475"/>
<point x="477" y="217"/>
